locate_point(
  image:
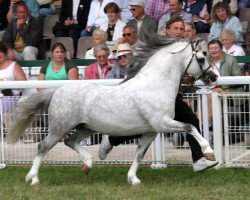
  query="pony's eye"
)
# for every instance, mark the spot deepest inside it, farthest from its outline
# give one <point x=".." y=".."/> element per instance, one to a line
<point x="201" y="60"/>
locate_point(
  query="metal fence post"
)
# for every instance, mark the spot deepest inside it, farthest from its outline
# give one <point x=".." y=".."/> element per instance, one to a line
<point x="2" y="164"/>
<point x="158" y="161"/>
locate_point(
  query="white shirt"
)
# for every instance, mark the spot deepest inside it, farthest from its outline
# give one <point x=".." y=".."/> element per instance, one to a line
<point x="75" y="9"/>
<point x="235" y="50"/>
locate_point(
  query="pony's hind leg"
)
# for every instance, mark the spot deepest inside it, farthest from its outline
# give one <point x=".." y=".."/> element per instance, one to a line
<point x="43" y="148"/>
<point x="143" y="145"/>
<point x="73" y="142"/>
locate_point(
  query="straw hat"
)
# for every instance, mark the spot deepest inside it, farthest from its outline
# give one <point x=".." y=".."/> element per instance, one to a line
<point x="137" y="3"/>
<point x="123" y="49"/>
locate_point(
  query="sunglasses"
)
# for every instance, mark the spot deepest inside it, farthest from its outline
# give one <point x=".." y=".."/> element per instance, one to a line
<point x="122" y="56"/>
<point x="133" y="9"/>
<point x="101" y="56"/>
<point x="126" y="34"/>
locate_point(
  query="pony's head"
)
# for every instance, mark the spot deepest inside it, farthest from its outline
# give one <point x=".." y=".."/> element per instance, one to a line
<point x="198" y="67"/>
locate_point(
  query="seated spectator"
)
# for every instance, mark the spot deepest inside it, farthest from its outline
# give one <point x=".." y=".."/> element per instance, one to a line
<point x="72" y="19"/>
<point x="231" y="3"/>
<point x="114" y="25"/>
<point x="102" y="67"/>
<point x="176" y="8"/>
<point x="126" y="15"/>
<point x="224" y="19"/>
<point x="23" y="35"/>
<point x="190" y="33"/>
<point x="222" y="64"/>
<point x="157" y="8"/>
<point x="98" y="37"/>
<point x="124" y="54"/>
<point x="228" y="38"/>
<point x="9" y="71"/>
<point x="138" y="12"/>
<point x="129" y="35"/>
<point x="96" y="17"/>
<point x="4" y="7"/>
<point x="58" y="68"/>
<point x="32" y="5"/>
<point x="46" y="7"/>
<point x="200" y="15"/>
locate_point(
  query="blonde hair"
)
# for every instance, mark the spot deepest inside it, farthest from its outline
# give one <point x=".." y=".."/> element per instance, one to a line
<point x="101" y="33"/>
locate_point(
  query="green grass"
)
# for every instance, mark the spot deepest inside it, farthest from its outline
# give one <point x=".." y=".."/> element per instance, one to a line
<point x="110" y="183"/>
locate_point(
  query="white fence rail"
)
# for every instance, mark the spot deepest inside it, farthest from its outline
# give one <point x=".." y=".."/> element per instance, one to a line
<point x="167" y="148"/>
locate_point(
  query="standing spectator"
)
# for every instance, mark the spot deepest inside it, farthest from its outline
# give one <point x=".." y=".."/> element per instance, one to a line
<point x="224" y="19"/>
<point x="126" y="15"/>
<point x="9" y="71"/>
<point x="98" y="37"/>
<point x="23" y="35"/>
<point x="114" y="25"/>
<point x="176" y="8"/>
<point x="231" y="3"/>
<point x="33" y="8"/>
<point x="137" y="9"/>
<point x="96" y="17"/>
<point x="46" y="7"/>
<point x="228" y="38"/>
<point x="200" y="15"/>
<point x="157" y="8"/>
<point x="124" y="54"/>
<point x="102" y="67"/>
<point x="4" y="7"/>
<point x="72" y="19"/>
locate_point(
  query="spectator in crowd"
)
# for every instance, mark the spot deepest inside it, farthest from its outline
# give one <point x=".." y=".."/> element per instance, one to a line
<point x="9" y="71"/>
<point x="96" y="17"/>
<point x="126" y="15"/>
<point x="200" y="15"/>
<point x="231" y="3"/>
<point x="183" y="113"/>
<point x="114" y="25"/>
<point x="23" y="35"/>
<point x="224" y="19"/>
<point x="228" y="38"/>
<point x="156" y="9"/>
<point x="176" y="8"/>
<point x="4" y="7"/>
<point x="33" y="8"/>
<point x="102" y="67"/>
<point x="137" y="9"/>
<point x="46" y="7"/>
<point x="99" y="37"/>
<point x="222" y="64"/>
<point x="129" y="35"/>
<point x="190" y="33"/>
<point x="72" y="19"/>
<point x="58" y="68"/>
<point x="124" y="54"/>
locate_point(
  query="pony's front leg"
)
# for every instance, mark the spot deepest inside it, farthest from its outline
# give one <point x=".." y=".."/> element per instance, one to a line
<point x="205" y="147"/>
<point x="143" y="145"/>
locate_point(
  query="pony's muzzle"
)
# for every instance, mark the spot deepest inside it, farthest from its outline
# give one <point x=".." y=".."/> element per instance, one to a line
<point x="209" y="76"/>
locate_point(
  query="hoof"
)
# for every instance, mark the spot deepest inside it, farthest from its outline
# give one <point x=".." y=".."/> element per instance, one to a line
<point x="86" y="169"/>
<point x="134" y="181"/>
<point x="210" y="156"/>
<point x="28" y="177"/>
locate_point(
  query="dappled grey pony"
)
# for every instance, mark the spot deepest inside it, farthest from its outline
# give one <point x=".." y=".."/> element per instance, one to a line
<point x="142" y="105"/>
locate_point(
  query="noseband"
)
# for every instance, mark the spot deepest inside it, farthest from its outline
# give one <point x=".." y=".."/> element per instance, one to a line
<point x="188" y="79"/>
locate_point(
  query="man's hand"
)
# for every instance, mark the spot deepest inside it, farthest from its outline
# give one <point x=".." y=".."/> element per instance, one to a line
<point x="11" y="54"/>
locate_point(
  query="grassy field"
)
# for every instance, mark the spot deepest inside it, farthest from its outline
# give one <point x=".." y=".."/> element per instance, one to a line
<point x="110" y="183"/>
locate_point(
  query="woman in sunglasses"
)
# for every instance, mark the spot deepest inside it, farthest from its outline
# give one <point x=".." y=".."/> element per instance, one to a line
<point x="102" y="67"/>
<point x="119" y="70"/>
